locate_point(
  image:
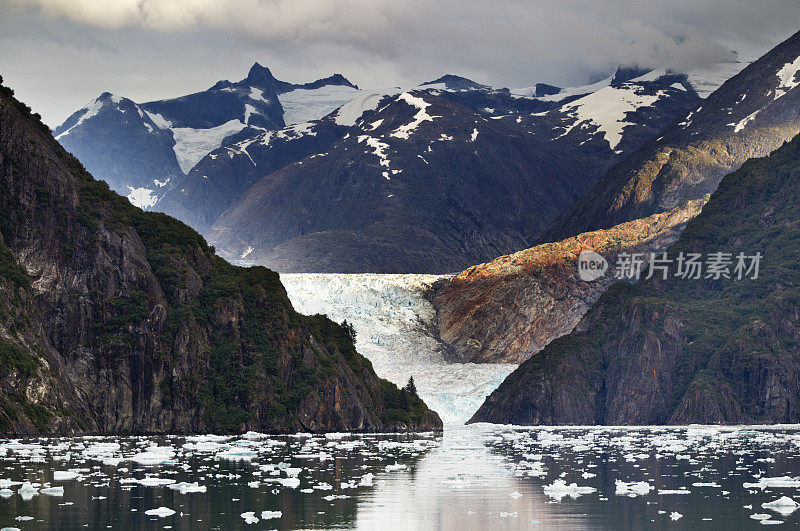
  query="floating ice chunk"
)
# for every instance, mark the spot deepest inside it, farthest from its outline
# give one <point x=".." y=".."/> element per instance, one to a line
<point x="270" y="515"/>
<point x="186" y="488"/>
<point x="161" y="512"/>
<point x="455" y="483"/>
<point x="515" y="495"/>
<point x="237" y="454"/>
<point x="559" y="489"/>
<point x="23" y="518"/>
<point x="634" y="488"/>
<point x="662" y="492"/>
<point x="774" y="483"/>
<point x="395" y="466"/>
<point x="366" y="480"/>
<point x="102" y="448"/>
<point x="154" y="455"/>
<point x="155" y="482"/>
<point x="6" y="493"/>
<point x="783" y="505"/>
<point x="760" y="516"/>
<point x="675" y="515"/>
<point x="508" y="515"/>
<point x="53" y="491"/>
<point x="291" y="483"/>
<point x="27" y="491"/>
<point x="249" y="517"/>
<point x="712" y="485"/>
<point x="293" y="471"/>
<point x="202" y="446"/>
<point x="332" y="497"/>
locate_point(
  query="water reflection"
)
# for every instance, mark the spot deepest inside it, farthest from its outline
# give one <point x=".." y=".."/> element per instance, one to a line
<point x="472" y="477"/>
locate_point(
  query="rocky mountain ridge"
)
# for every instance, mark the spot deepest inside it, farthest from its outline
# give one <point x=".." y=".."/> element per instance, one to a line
<point x="720" y="346"/>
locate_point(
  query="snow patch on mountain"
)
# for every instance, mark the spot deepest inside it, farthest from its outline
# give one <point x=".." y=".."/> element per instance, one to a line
<point x="787" y="78"/>
<point x="258" y="95"/>
<point x="379" y="150"/>
<point x="349" y="113"/>
<point x="160" y="121"/>
<point x="249" y="110"/>
<point x="570" y="91"/>
<point x="191" y="145"/>
<point x="393" y="323"/>
<point x="742" y="123"/>
<point x="305" y="105"/>
<point x="89" y="110"/>
<point x="607" y="109"/>
<point x="405" y="130"/>
<point x="142" y="197"/>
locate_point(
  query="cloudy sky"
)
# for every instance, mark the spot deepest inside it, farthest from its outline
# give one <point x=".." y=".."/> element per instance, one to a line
<point x="58" y="54"/>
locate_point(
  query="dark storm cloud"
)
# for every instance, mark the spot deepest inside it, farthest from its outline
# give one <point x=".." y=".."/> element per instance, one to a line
<point x="60" y="53"/>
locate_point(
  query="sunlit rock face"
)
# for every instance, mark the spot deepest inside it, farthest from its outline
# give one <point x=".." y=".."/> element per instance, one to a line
<point x="508" y="309"/>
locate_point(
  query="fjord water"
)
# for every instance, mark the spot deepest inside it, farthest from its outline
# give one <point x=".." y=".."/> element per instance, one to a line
<point x="471" y="477"/>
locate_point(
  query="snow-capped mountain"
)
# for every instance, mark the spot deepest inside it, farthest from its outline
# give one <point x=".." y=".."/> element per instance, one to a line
<point x="750" y="115"/>
<point x="447" y="169"/>
<point x="129" y="144"/>
<point x="418" y="183"/>
<point x="118" y="141"/>
<point x="226" y="173"/>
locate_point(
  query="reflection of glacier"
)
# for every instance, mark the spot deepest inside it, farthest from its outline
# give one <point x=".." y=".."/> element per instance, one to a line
<point x="393" y="322"/>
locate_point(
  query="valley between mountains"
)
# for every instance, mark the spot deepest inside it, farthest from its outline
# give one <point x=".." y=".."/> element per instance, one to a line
<point x="284" y="257"/>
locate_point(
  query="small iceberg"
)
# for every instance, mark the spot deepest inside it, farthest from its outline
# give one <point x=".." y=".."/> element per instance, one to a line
<point x="161" y="512"/>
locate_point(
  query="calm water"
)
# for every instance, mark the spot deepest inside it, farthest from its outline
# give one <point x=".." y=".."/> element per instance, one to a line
<point x="473" y="477"/>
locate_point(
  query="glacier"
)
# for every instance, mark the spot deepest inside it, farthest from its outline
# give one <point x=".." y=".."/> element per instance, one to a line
<point x="395" y="330"/>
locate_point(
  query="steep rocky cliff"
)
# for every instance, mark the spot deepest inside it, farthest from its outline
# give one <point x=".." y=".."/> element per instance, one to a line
<point x="510" y="308"/>
<point x="708" y="350"/>
<point x="113" y="320"/>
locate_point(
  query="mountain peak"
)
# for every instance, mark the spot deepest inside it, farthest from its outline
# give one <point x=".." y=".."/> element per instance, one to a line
<point x="626" y="73"/>
<point x="453" y="82"/>
<point x="259" y="74"/>
<point x="333" y="80"/>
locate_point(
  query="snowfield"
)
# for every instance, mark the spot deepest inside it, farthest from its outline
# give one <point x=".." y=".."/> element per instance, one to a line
<point x="303" y="105"/>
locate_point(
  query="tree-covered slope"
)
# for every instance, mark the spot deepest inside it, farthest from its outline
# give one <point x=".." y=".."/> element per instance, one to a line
<point x="114" y="320"/>
<point x="685" y="350"/>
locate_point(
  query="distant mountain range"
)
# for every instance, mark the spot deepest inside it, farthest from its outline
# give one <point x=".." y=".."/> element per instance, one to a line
<point x="325" y="177"/>
<point x="145" y="150"/>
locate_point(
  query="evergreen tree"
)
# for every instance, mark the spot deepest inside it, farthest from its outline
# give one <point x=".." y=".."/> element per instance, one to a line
<point x="350" y="329"/>
<point x="410" y="387"/>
